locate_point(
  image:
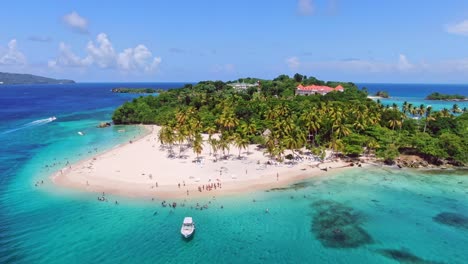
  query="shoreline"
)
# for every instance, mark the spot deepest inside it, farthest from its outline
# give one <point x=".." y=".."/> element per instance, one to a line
<point x="142" y="169"/>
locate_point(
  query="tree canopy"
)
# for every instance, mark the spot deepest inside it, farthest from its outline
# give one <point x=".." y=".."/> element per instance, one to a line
<point x="345" y="122"/>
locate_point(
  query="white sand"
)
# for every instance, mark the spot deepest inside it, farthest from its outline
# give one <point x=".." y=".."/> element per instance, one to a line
<point x="134" y="169"/>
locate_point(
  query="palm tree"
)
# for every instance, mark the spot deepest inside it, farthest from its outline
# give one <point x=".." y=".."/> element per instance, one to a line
<point x="445" y="113"/>
<point x="294" y="140"/>
<point x="214" y="143"/>
<point x="240" y="142"/>
<point x="405" y="107"/>
<point x="223" y="144"/>
<point x="228" y="120"/>
<point x="394" y="122"/>
<point x="341" y="129"/>
<point x="456" y="109"/>
<point x="198" y="144"/>
<point x="181" y="136"/>
<point x="312" y="122"/>
<point x="371" y="144"/>
<point x="429" y="117"/>
<point x="421" y="110"/>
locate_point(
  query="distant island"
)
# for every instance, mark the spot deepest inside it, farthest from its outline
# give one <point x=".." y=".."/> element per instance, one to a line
<point x="382" y="94"/>
<point x="135" y="90"/>
<point x="446" y="97"/>
<point x="17" y="78"/>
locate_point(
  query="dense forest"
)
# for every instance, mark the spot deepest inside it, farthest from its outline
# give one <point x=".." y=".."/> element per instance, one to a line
<point x="272" y="116"/>
<point x="439" y="96"/>
<point x="134" y="90"/>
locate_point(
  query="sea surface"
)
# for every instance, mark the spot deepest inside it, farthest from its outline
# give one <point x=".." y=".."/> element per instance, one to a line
<point x="415" y="94"/>
<point x="376" y="215"/>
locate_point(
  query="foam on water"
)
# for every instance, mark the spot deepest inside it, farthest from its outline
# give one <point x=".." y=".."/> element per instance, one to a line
<point x="30" y="124"/>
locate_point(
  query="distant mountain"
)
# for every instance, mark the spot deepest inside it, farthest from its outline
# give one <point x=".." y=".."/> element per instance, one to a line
<point x="16" y="78"/>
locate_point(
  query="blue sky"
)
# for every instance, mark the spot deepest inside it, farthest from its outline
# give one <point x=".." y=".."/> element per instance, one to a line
<point x="348" y="40"/>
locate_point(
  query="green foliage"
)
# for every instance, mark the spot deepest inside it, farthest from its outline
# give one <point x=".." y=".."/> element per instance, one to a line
<point x="134" y="90"/>
<point x="439" y="96"/>
<point x="346" y="121"/>
<point x="383" y="94"/>
<point x="354" y="144"/>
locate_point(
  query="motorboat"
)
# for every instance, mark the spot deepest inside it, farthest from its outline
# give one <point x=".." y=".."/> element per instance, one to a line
<point x="80" y="133"/>
<point x="188" y="227"/>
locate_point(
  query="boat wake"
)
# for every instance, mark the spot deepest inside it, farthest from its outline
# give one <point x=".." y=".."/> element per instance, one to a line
<point x="35" y="123"/>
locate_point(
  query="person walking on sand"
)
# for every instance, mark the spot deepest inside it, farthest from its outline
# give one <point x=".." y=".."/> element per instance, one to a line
<point x="277" y="176"/>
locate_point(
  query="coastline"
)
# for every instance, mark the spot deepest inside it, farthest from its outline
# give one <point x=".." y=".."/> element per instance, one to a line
<point x="142" y="169"/>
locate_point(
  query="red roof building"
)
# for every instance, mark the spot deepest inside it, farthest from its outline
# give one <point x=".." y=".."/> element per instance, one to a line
<point x="317" y="89"/>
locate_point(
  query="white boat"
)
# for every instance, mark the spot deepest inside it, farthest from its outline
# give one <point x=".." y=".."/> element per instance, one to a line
<point x="52" y="118"/>
<point x="80" y="133"/>
<point x="188" y="227"/>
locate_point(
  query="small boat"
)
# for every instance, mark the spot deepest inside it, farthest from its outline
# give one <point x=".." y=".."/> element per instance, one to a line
<point x="52" y="118"/>
<point x="188" y="227"/>
<point x="80" y="133"/>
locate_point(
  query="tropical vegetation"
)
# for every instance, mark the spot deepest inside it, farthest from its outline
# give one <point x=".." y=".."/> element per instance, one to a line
<point x="134" y="90"/>
<point x="383" y="94"/>
<point x="274" y="118"/>
<point x="439" y="96"/>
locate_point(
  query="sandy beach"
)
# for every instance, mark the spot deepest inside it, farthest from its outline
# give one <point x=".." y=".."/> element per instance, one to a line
<point x="143" y="168"/>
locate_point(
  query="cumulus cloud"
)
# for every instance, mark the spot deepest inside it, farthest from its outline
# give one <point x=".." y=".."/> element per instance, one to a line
<point x="293" y="63"/>
<point x="76" y="22"/>
<point x="102" y="54"/>
<point x="13" y="56"/>
<point x="68" y="59"/>
<point x="305" y="7"/>
<point x="138" y="58"/>
<point x="404" y="64"/>
<point x="459" y="28"/>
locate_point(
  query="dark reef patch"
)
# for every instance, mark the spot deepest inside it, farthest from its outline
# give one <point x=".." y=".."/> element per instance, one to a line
<point x="452" y="219"/>
<point x="338" y="226"/>
<point x="404" y="256"/>
<point x="296" y="186"/>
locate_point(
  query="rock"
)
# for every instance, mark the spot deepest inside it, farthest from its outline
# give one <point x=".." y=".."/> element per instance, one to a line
<point x="104" y="124"/>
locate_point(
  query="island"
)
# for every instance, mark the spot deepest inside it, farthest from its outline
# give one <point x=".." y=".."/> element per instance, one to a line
<point x="446" y="97"/>
<point x="17" y="78"/>
<point x="216" y="139"/>
<point x="135" y="90"/>
<point x="382" y="94"/>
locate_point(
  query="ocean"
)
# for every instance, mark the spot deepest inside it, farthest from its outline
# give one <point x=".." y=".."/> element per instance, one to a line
<point x="376" y="215"/>
<point x="416" y="94"/>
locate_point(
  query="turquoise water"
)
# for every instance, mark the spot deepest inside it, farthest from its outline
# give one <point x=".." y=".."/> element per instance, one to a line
<point x="358" y="216"/>
<point x="415" y="94"/>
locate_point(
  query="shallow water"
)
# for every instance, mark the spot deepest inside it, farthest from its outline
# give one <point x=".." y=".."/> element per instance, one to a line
<point x="321" y="220"/>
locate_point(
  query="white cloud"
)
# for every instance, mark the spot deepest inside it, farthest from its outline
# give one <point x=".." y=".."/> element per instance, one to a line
<point x="13" y="56"/>
<point x="400" y="66"/>
<point x="404" y="64"/>
<point x="68" y="59"/>
<point x="305" y="7"/>
<point x="138" y="58"/>
<point x="76" y="22"/>
<point x="102" y="54"/>
<point x="293" y="63"/>
<point x="458" y="29"/>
